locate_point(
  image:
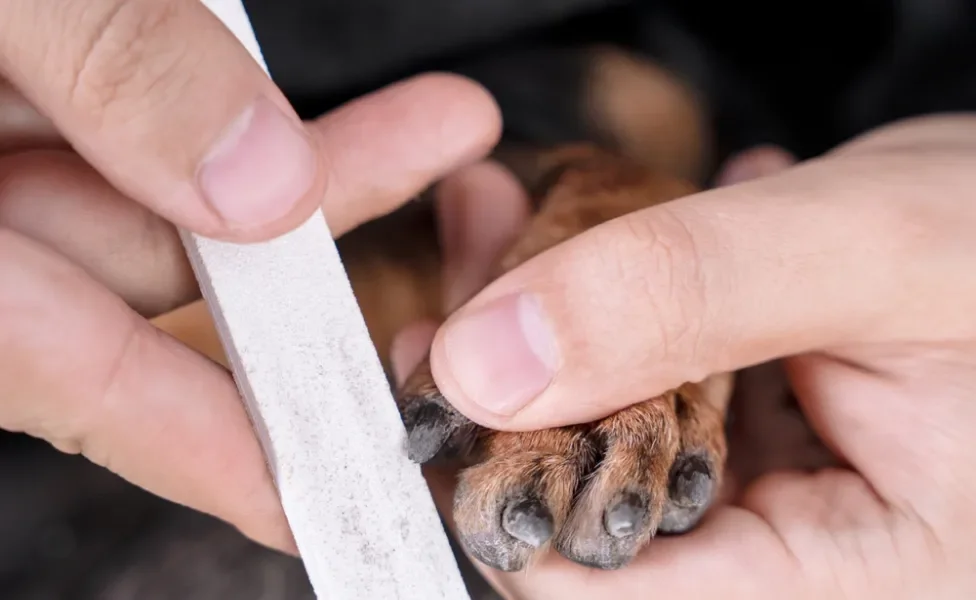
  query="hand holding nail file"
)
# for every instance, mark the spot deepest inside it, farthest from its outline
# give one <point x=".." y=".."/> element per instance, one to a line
<point x="360" y="511"/>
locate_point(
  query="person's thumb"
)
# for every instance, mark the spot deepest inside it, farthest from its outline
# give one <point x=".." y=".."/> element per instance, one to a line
<point x="166" y="103"/>
<point x="822" y="255"/>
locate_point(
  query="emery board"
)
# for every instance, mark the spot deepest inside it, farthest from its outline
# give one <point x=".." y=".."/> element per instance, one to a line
<point x="360" y="511"/>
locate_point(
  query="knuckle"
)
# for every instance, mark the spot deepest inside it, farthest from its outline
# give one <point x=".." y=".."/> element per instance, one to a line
<point x="46" y="353"/>
<point x="131" y="56"/>
<point x="23" y="356"/>
<point x="657" y="256"/>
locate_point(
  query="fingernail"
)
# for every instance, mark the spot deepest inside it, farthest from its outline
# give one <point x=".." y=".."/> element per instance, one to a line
<point x="753" y="164"/>
<point x="262" y="165"/>
<point x="503" y="355"/>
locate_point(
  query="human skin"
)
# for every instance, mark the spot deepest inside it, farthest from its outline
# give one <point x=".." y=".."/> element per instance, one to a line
<point x="880" y="323"/>
<point x="118" y="119"/>
<point x="857" y="269"/>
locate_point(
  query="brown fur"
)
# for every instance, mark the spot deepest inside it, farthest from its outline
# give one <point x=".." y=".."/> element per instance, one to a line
<point x="578" y="473"/>
<point x="647" y="113"/>
<point x="394" y="265"/>
<point x="647" y="459"/>
<point x="642" y="113"/>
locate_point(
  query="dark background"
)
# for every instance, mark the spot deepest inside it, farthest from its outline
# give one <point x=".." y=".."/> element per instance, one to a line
<point x="807" y="75"/>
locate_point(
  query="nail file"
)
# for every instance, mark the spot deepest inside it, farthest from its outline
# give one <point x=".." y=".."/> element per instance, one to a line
<point x="361" y="513"/>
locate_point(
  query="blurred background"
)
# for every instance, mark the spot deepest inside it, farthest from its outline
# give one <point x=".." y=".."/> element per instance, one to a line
<point x="805" y="75"/>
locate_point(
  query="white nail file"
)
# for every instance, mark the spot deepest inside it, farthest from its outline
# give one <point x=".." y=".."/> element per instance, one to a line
<point x="360" y="511"/>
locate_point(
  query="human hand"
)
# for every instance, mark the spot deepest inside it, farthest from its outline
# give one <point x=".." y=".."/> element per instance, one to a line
<point x="856" y="267"/>
<point x="150" y="95"/>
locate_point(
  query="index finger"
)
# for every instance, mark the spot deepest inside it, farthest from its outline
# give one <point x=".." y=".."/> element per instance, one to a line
<point x="167" y="104"/>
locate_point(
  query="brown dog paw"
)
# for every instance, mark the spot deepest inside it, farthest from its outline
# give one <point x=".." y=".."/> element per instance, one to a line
<point x="597" y="492"/>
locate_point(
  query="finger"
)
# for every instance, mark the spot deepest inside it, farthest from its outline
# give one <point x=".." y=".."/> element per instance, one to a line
<point x="21" y="126"/>
<point x="56" y="199"/>
<point x="754" y="163"/>
<point x="168" y="105"/>
<point x="822" y="255"/>
<point x="79" y="369"/>
<point x="480" y="210"/>
<point x="409" y="347"/>
<point x="387" y="147"/>
<point x="793" y="541"/>
<point x="869" y="434"/>
<point x="768" y="431"/>
<point x="743" y="557"/>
